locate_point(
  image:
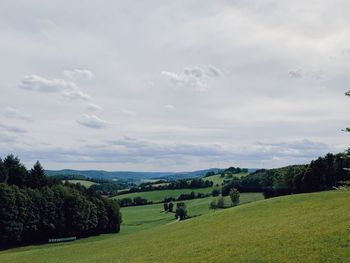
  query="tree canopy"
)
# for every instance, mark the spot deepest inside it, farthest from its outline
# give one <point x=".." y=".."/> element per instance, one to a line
<point x="34" y="208"/>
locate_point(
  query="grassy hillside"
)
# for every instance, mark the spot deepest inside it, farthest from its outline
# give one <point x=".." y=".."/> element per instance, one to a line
<point x="157" y="196"/>
<point x="137" y="218"/>
<point x="217" y="179"/>
<point x="298" y="228"/>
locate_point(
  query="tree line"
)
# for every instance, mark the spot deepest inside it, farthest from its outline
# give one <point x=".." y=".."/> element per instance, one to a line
<point x="35" y="208"/>
<point x="102" y="186"/>
<point x="178" y="184"/>
<point x="321" y="174"/>
<point x="124" y="202"/>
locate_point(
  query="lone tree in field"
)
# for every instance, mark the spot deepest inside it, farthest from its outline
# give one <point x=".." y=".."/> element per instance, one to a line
<point x="234" y="195"/>
<point x="166" y="207"/>
<point x="221" y="202"/>
<point x="181" y="211"/>
<point x="170" y="207"/>
<point x="213" y="205"/>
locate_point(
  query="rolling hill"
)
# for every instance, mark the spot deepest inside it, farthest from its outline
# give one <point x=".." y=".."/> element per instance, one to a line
<point x="296" y="228"/>
<point x="109" y="175"/>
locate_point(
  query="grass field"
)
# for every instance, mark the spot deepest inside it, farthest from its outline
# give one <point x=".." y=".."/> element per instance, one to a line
<point x="217" y="179"/>
<point x="137" y="218"/>
<point x="159" y="195"/>
<point x="82" y="182"/>
<point x="298" y="228"/>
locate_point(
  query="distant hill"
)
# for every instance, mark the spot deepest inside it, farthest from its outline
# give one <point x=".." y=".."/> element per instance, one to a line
<point x="126" y="175"/>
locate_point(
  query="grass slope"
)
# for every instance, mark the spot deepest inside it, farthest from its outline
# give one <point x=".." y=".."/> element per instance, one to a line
<point x="217" y="179"/>
<point x="159" y="195"/>
<point x="298" y="228"/>
<point x="137" y="218"/>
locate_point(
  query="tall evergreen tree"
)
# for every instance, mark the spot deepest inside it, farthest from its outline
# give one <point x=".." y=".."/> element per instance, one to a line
<point x="36" y="176"/>
<point x="16" y="172"/>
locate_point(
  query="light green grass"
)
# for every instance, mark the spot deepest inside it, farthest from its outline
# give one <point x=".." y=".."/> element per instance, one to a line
<point x="217" y="179"/>
<point x="306" y="228"/>
<point x="137" y="218"/>
<point x="85" y="183"/>
<point x="159" y="195"/>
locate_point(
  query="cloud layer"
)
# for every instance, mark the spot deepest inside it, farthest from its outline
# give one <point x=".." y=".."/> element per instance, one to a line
<point x="159" y="85"/>
<point x="193" y="77"/>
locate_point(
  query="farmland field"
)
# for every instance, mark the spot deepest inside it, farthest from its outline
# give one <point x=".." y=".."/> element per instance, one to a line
<point x="297" y="228"/>
<point x="136" y="218"/>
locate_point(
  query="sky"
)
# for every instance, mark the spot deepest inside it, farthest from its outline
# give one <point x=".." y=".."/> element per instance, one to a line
<point x="173" y="85"/>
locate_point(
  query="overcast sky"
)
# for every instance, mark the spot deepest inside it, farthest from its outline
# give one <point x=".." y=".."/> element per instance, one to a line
<point x="173" y="85"/>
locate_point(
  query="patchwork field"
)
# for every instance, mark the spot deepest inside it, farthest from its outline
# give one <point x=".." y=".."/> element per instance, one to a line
<point x="298" y="228"/>
<point x="136" y="218"/>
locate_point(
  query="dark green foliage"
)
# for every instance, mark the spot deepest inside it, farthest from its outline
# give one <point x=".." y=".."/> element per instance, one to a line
<point x="125" y="202"/>
<point x="181" y="211"/>
<point x="221" y="202"/>
<point x="170" y="207"/>
<point x="210" y="173"/>
<point x="324" y="173"/>
<point x="189" y="196"/>
<point x="36" y="176"/>
<point x="213" y="205"/>
<point x="140" y="201"/>
<point x="216" y="192"/>
<point x="131" y="202"/>
<point x="34" y="208"/>
<point x="166" y="207"/>
<point x="234" y="196"/>
<point x="3" y="174"/>
<point x="16" y="172"/>
<point x="235" y="182"/>
<point x="233" y="170"/>
<point x="106" y="188"/>
<point x="178" y="184"/>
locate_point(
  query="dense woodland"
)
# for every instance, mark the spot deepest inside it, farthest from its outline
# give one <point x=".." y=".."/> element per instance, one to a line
<point x="102" y="186"/>
<point x="34" y="208"/>
<point x="324" y="173"/>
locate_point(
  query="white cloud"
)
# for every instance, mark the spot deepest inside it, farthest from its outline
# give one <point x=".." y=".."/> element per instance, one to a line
<point x="40" y="84"/>
<point x="92" y="121"/>
<point x="169" y="106"/>
<point x="193" y="77"/>
<point x="13" y="113"/>
<point x="94" y="107"/>
<point x="239" y="52"/>
<point x="214" y="71"/>
<point x="68" y="89"/>
<point x="76" y="94"/>
<point x="78" y="74"/>
<point x="311" y="74"/>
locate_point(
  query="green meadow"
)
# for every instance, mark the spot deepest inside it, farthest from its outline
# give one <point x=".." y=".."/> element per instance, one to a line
<point x="136" y="218"/>
<point x="297" y="228"/>
<point x="218" y="179"/>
